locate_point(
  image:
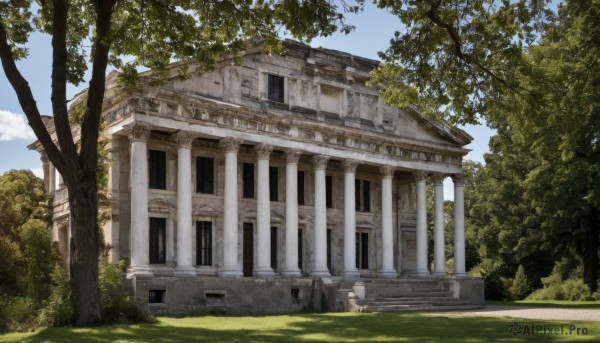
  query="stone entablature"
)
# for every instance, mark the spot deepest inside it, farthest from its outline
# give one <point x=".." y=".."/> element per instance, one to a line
<point x="208" y="112"/>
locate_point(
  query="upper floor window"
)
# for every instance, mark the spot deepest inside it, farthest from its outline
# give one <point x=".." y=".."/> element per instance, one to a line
<point x="300" y="181"/>
<point x="329" y="191"/>
<point x="273" y="184"/>
<point x="362" y="195"/>
<point x="205" y="175"/>
<point x="275" y="88"/>
<point x="157" y="173"/>
<point x="248" y="180"/>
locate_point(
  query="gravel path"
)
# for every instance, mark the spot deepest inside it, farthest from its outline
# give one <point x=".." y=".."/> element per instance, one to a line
<point x="530" y="313"/>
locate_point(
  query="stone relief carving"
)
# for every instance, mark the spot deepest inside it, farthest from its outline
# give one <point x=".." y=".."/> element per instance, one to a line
<point x="138" y="131"/>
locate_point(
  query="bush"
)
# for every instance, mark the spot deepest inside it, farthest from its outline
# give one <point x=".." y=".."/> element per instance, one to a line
<point x="555" y="288"/>
<point x="17" y="314"/>
<point x="58" y="309"/>
<point x="520" y="286"/>
<point x="117" y="305"/>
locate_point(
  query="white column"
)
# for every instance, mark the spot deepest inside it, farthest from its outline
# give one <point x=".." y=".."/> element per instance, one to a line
<point x="139" y="235"/>
<point x="459" y="226"/>
<point x="422" y="268"/>
<point x="291" y="214"/>
<point x="263" y="213"/>
<point x="350" y="270"/>
<point x="387" y="231"/>
<point x="439" y="254"/>
<point x="320" y="221"/>
<point x="231" y="267"/>
<point x="185" y="264"/>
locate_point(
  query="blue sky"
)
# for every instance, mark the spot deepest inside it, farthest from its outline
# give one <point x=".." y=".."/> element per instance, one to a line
<point x="374" y="28"/>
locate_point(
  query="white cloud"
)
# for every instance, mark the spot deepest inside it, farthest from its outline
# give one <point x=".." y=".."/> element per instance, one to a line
<point x="13" y="126"/>
<point x="39" y="172"/>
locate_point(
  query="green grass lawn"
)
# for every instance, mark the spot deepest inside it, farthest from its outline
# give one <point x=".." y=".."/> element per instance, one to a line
<point x="579" y="305"/>
<point x="320" y="327"/>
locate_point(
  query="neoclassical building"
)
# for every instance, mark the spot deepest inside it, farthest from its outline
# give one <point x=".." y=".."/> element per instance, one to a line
<point x="280" y="183"/>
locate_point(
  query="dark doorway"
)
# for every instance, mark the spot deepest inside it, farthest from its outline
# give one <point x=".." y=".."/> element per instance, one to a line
<point x="248" y="249"/>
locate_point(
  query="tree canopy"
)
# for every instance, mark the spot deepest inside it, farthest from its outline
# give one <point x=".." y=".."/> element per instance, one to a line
<point x="149" y="33"/>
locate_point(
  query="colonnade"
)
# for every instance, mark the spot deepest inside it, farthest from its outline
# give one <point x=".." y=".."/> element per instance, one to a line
<point x="139" y="133"/>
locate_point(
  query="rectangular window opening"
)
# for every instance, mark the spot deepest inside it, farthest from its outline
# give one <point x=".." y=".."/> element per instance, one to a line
<point x="273" y="184"/>
<point x="274" y="247"/>
<point x="156" y="296"/>
<point x="362" y="250"/>
<point x="329" y="191"/>
<point x="157" y="173"/>
<point x="157" y="240"/>
<point x="205" y="175"/>
<point x="276" y="88"/>
<point x="248" y="180"/>
<point x="300" y="187"/>
<point x="203" y="243"/>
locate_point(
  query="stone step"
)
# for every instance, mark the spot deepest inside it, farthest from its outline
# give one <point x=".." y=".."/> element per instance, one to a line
<point x="447" y="302"/>
<point x="395" y="294"/>
<point x="407" y="308"/>
<point x="406" y="289"/>
<point x="407" y="298"/>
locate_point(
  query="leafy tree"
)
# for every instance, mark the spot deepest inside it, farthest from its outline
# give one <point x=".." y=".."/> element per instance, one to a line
<point x="520" y="286"/>
<point x="153" y="32"/>
<point x="533" y="74"/>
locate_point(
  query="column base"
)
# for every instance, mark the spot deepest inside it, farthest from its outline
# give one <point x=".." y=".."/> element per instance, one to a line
<point x="266" y="273"/>
<point x="184" y="271"/>
<point x="291" y="273"/>
<point x="351" y="274"/>
<point x="387" y="274"/>
<point x="139" y="271"/>
<point x="460" y="275"/>
<point x="231" y="273"/>
<point x="440" y="274"/>
<point x="423" y="273"/>
<point x="320" y="273"/>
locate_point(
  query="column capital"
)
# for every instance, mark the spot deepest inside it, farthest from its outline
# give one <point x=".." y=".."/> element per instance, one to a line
<point x="438" y="179"/>
<point x="44" y="157"/>
<point x="230" y="144"/>
<point x="458" y="179"/>
<point x="320" y="161"/>
<point x="419" y="175"/>
<point x="263" y="150"/>
<point x="137" y="131"/>
<point x="293" y="156"/>
<point x="387" y="171"/>
<point x="185" y="138"/>
<point x="350" y="165"/>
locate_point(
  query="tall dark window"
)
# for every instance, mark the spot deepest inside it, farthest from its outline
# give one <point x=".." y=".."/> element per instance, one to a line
<point x="300" y="187"/>
<point x="157" y="165"/>
<point x="300" y="250"/>
<point x="276" y="88"/>
<point x="329" y="191"/>
<point x="205" y="175"/>
<point x="329" y="249"/>
<point x="362" y="250"/>
<point x="362" y="195"/>
<point x="248" y="179"/>
<point x="274" y="247"/>
<point x="204" y="243"/>
<point x="157" y="240"/>
<point x="273" y="184"/>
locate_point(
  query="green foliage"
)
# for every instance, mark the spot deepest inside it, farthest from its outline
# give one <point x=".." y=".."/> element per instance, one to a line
<point x="520" y="287"/>
<point x="17" y="314"/>
<point x="117" y="305"/>
<point x="58" y="309"/>
<point x="557" y="289"/>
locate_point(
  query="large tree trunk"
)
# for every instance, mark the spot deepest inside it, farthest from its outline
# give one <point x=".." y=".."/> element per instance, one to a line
<point x="84" y="252"/>
<point x="590" y="258"/>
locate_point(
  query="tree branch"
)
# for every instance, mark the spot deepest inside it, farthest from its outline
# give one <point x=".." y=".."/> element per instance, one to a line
<point x="27" y="102"/>
<point x="59" y="90"/>
<point x="91" y="123"/>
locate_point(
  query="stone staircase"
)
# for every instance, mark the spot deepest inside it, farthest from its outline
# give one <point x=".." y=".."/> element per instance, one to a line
<point x="410" y="294"/>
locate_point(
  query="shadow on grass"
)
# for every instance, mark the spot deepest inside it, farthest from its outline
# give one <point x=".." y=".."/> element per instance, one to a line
<point x="325" y="327"/>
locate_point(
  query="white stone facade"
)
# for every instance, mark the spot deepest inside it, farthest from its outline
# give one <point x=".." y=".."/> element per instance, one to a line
<point x="206" y="172"/>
